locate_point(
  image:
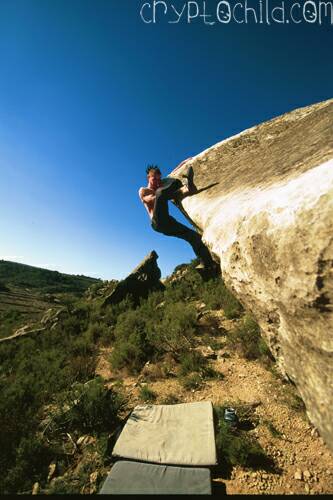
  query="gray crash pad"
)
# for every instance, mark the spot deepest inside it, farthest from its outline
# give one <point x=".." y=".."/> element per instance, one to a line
<point x="181" y="434"/>
<point x="138" y="478"/>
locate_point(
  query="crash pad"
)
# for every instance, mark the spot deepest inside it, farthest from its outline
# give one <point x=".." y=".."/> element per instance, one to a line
<point x="181" y="434"/>
<point x="139" y="478"/>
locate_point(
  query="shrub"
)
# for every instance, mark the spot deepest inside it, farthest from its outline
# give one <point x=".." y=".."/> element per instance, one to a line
<point x="234" y="446"/>
<point x="209" y="373"/>
<point x="149" y="305"/>
<point x="189" y="286"/>
<point x="191" y="361"/>
<point x="63" y="486"/>
<point x="171" y="399"/>
<point x="35" y="369"/>
<point x="72" y="325"/>
<point x="212" y="342"/>
<point x="148" y="332"/>
<point x="272" y="429"/>
<point x="246" y="338"/>
<point x="3" y="287"/>
<point x="113" y="311"/>
<point x="217" y="296"/>
<point x="147" y="395"/>
<point x="132" y="347"/>
<point x="180" y="267"/>
<point x="298" y="404"/>
<point x="193" y="381"/>
<point x="173" y="330"/>
<point x="10" y="319"/>
<point x="31" y="465"/>
<point x="96" y="331"/>
<point x="80" y="368"/>
<point x="89" y="407"/>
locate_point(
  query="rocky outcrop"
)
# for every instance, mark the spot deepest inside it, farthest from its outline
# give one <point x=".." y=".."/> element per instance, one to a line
<point x="145" y="278"/>
<point x="265" y="208"/>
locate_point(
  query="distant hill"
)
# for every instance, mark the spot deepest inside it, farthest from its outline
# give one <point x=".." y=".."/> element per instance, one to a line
<point x="20" y="275"/>
<point x="26" y="292"/>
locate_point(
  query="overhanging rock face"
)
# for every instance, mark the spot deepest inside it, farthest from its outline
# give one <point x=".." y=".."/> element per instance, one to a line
<point x="265" y="207"/>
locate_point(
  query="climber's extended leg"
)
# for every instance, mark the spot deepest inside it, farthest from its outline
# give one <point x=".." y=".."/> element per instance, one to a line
<point x="162" y="222"/>
<point x="171" y="227"/>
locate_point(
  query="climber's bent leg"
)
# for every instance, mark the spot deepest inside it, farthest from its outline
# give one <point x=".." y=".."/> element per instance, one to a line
<point x="163" y="194"/>
<point x="169" y="187"/>
<point x="171" y="227"/>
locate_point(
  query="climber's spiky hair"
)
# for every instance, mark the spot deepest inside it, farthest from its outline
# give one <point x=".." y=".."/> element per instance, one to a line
<point x="153" y="167"/>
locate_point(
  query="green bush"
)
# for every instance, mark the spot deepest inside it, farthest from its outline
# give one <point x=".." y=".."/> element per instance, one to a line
<point x="191" y="361"/>
<point x="3" y="287"/>
<point x="149" y="331"/>
<point x="113" y="311"/>
<point x="33" y="370"/>
<point x="234" y="446"/>
<point x="272" y="429"/>
<point x="147" y="395"/>
<point x="171" y="399"/>
<point x="132" y="348"/>
<point x="173" y="330"/>
<point x="213" y="292"/>
<point x="212" y="342"/>
<point x="189" y="286"/>
<point x="152" y="302"/>
<point x="80" y="368"/>
<point x="194" y="362"/>
<point x="216" y="296"/>
<point x="53" y="367"/>
<point x="247" y="339"/>
<point x="95" y="331"/>
<point x="32" y="458"/>
<point x="63" y="486"/>
<point x="193" y="381"/>
<point x="89" y="407"/>
<point x="208" y="373"/>
<point x="10" y="320"/>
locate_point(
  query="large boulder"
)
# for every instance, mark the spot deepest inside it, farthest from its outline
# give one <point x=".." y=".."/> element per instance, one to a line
<point x="145" y="278"/>
<point x="265" y="208"/>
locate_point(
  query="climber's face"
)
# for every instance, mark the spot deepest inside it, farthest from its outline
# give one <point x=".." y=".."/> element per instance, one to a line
<point x="154" y="179"/>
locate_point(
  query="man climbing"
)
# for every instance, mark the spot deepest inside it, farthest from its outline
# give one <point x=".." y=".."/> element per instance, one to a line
<point x="155" y="198"/>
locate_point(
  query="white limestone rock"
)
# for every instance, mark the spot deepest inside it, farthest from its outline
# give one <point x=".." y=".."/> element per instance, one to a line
<point x="265" y="207"/>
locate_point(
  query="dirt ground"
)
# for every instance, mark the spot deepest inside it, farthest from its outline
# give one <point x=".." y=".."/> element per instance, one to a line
<point x="302" y="462"/>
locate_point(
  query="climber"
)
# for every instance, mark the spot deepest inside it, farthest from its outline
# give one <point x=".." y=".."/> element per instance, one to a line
<point x="155" y="198"/>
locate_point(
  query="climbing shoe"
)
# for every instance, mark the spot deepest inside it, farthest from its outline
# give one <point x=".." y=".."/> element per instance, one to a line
<point x="188" y="176"/>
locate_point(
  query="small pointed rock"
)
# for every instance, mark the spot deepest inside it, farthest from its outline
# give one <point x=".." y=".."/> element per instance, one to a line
<point x="298" y="475"/>
<point x="35" y="489"/>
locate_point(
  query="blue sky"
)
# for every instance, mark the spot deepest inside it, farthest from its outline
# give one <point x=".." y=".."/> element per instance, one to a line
<point x="90" y="94"/>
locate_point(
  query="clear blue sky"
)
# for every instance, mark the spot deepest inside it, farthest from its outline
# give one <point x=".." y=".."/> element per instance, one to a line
<point x="89" y="94"/>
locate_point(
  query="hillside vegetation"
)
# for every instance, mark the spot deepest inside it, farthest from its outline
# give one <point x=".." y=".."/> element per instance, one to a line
<point x="42" y="280"/>
<point x="26" y="292"/>
<point x="66" y="392"/>
<point x="49" y="392"/>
